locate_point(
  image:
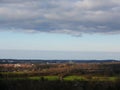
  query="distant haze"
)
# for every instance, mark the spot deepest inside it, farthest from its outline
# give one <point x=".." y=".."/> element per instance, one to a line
<point x="74" y="55"/>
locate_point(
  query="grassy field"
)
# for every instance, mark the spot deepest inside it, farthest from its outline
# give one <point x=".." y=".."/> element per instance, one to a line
<point x="72" y="78"/>
<point x="52" y="82"/>
<point x="22" y="75"/>
<point x="94" y="78"/>
<point x="44" y="78"/>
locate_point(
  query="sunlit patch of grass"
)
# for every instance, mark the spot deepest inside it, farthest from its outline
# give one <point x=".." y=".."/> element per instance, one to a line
<point x="13" y="79"/>
<point x="34" y="78"/>
<point x="104" y="78"/>
<point x="112" y="78"/>
<point x="12" y="73"/>
<point x="51" y="77"/>
<point x="72" y="78"/>
<point x="43" y="78"/>
<point x="94" y="78"/>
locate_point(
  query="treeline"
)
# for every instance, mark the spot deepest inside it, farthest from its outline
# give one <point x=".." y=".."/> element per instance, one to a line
<point x="107" y="69"/>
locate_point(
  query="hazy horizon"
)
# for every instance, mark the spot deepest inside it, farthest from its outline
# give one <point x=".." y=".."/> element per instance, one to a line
<point x="59" y="55"/>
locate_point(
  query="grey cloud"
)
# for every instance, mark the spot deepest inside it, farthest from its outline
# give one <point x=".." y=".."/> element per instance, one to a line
<point x="74" y="17"/>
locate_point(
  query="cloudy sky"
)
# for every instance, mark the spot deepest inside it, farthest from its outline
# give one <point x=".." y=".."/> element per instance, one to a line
<point x="55" y="26"/>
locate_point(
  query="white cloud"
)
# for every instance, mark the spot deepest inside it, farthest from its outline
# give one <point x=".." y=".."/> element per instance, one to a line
<point x="73" y="17"/>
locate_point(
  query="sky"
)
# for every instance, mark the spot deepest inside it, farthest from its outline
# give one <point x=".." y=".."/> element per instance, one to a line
<point x="60" y="29"/>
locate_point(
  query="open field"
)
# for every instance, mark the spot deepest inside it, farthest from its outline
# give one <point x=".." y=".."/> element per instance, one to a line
<point x="27" y="76"/>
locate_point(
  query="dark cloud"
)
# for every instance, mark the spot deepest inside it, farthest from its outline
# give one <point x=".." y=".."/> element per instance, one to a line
<point x="73" y="17"/>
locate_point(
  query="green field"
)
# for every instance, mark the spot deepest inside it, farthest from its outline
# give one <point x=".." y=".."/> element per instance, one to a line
<point x="22" y="76"/>
<point x="72" y="78"/>
<point x="24" y="81"/>
<point x="44" y="78"/>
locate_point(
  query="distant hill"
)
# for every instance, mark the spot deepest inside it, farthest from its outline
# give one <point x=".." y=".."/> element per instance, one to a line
<point x="6" y="61"/>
